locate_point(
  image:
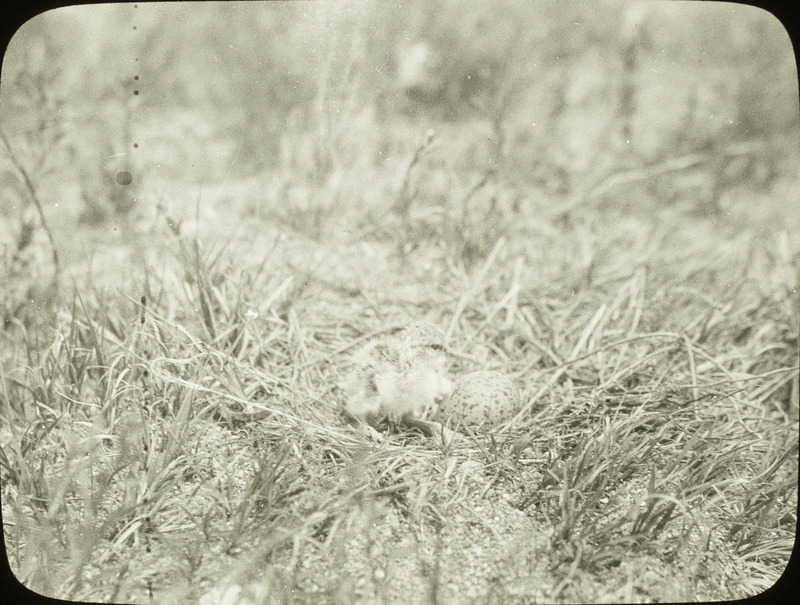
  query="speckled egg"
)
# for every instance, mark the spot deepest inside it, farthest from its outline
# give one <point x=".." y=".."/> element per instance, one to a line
<point x="483" y="398"/>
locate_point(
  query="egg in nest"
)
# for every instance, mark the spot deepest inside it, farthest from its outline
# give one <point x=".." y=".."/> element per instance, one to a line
<point x="482" y="398"/>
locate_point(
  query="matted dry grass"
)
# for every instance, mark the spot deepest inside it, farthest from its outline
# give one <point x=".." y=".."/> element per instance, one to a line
<point x="193" y="447"/>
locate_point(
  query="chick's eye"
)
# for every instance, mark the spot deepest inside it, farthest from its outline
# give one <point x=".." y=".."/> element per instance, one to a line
<point x="436" y="347"/>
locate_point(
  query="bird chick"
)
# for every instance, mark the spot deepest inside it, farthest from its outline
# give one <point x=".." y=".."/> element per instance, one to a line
<point x="400" y="377"/>
<point x="483" y="398"/>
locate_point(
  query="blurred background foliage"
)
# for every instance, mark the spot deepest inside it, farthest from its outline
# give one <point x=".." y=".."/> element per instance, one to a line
<point x="552" y="99"/>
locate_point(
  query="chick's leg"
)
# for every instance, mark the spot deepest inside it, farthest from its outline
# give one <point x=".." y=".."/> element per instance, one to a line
<point x="363" y="425"/>
<point x="432" y="429"/>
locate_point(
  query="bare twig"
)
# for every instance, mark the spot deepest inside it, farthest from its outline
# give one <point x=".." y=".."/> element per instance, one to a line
<point x="405" y="196"/>
<point x="35" y="197"/>
<point x="644" y="173"/>
<point x="480" y="184"/>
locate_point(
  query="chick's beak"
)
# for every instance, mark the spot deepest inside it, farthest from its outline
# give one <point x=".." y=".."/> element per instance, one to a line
<point x="445" y="388"/>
